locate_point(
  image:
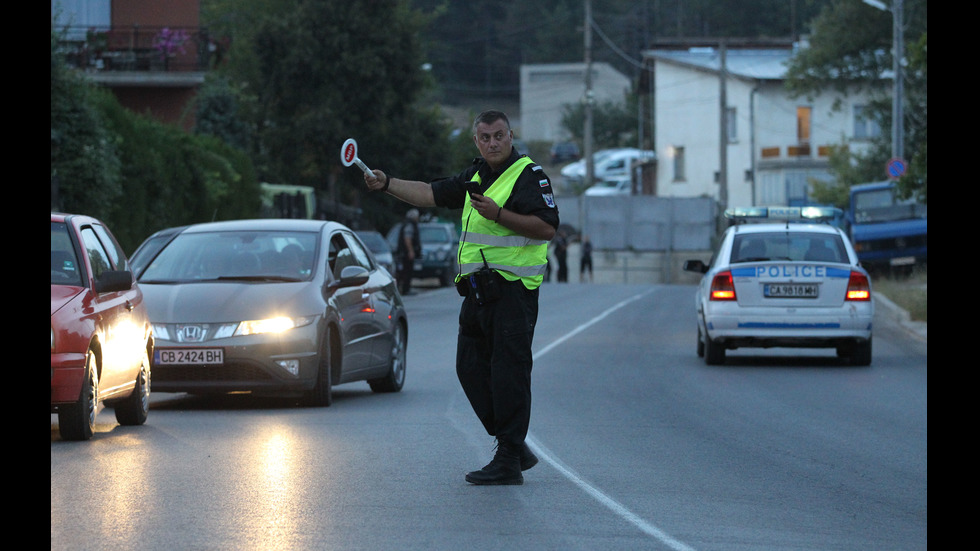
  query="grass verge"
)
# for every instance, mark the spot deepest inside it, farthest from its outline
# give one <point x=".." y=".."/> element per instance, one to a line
<point x="908" y="292"/>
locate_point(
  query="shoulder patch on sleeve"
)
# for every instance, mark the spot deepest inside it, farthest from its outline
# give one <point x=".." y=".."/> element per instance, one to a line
<point x="549" y="199"/>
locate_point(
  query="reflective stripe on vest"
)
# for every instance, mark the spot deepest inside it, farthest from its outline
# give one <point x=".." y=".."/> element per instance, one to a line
<point x="511" y="254"/>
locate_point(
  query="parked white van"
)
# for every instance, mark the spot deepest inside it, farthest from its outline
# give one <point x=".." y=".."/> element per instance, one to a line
<point x="609" y="164"/>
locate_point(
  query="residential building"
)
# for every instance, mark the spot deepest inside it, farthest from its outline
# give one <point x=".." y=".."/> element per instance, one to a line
<point x="546" y="88"/>
<point x="152" y="55"/>
<point x="776" y="145"/>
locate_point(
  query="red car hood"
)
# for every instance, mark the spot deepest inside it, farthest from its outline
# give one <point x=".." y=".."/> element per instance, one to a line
<point x="62" y="295"/>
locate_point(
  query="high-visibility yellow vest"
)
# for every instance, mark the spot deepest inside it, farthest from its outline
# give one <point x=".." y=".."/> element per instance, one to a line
<point x="511" y="254"/>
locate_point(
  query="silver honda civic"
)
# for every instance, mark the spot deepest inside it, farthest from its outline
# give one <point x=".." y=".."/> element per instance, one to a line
<point x="272" y="307"/>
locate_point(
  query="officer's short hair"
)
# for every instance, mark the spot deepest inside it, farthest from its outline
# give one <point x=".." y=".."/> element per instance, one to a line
<point x="490" y="116"/>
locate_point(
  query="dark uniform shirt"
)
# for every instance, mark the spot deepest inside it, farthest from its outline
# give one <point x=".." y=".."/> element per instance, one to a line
<point x="532" y="192"/>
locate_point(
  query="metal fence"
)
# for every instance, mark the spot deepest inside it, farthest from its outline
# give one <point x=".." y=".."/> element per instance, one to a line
<point x="642" y="222"/>
<point x="139" y="48"/>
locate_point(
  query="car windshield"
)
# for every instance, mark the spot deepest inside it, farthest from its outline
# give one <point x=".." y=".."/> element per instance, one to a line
<point x="64" y="264"/>
<point x="234" y="255"/>
<point x="433" y="235"/>
<point x="375" y="242"/>
<point x="883" y="206"/>
<point x="791" y="246"/>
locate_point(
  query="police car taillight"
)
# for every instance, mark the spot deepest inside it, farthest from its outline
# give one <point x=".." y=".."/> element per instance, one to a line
<point x="722" y="287"/>
<point x="858" y="287"/>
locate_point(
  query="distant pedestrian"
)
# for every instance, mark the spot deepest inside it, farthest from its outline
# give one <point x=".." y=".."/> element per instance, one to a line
<point x="409" y="248"/>
<point x="561" y="255"/>
<point x="585" y="262"/>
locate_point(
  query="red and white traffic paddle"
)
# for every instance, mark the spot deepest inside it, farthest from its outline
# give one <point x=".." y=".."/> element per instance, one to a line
<point x="348" y="156"/>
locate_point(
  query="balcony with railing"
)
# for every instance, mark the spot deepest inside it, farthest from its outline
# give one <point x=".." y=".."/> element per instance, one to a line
<point x="141" y="49"/>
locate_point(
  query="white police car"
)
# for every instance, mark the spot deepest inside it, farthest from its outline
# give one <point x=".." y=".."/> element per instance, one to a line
<point x="786" y="280"/>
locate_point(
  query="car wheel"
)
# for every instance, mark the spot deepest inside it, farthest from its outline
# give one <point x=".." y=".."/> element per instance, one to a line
<point x="77" y="421"/>
<point x="861" y="353"/>
<point x="700" y="343"/>
<point x="322" y="393"/>
<point x="714" y="354"/>
<point x="395" y="379"/>
<point x="134" y="409"/>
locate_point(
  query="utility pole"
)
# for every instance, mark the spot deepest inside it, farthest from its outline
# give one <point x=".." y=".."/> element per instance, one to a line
<point x="898" y="122"/>
<point x="723" y="128"/>
<point x="898" y="53"/>
<point x="589" y="100"/>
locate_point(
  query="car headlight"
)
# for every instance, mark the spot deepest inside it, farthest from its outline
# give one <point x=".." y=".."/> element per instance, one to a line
<point x="271" y="325"/>
<point x="251" y="327"/>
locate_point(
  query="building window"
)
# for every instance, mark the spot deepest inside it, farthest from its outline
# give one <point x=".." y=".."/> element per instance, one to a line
<point x="803" y="124"/>
<point x="865" y="127"/>
<point x="730" y="125"/>
<point x="679" y="173"/>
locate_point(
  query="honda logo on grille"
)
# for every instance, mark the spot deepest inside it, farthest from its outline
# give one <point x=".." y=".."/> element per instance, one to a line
<point x="191" y="333"/>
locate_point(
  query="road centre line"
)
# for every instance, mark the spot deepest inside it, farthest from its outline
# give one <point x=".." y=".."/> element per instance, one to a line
<point x="545" y="455"/>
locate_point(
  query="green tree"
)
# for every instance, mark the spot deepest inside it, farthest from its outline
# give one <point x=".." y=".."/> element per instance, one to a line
<point x="308" y="77"/>
<point x="218" y="112"/>
<point x="850" y="48"/>
<point x="136" y="174"/>
<point x="85" y="166"/>
<point x="613" y="123"/>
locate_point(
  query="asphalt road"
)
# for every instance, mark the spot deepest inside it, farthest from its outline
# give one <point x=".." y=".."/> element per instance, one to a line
<point x="642" y="446"/>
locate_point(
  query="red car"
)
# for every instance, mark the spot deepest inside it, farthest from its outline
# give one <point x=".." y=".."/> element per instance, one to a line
<point x="101" y="340"/>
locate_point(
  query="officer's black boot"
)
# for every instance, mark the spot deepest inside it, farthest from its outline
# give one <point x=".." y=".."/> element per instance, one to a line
<point x="528" y="459"/>
<point x="505" y="468"/>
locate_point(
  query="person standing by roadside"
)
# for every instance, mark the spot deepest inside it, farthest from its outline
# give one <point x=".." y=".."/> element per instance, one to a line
<point x="509" y="215"/>
<point x="585" y="260"/>
<point x="561" y="255"/>
<point x="409" y="248"/>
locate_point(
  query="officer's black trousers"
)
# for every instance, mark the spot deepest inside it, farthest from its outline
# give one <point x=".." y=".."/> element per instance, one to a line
<point x="493" y="359"/>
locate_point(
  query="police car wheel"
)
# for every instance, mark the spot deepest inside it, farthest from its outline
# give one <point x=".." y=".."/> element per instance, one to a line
<point x="700" y="343"/>
<point x="861" y="353"/>
<point x="714" y="353"/>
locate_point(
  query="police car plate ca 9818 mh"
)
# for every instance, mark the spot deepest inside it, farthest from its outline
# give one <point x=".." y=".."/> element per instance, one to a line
<point x="790" y="290"/>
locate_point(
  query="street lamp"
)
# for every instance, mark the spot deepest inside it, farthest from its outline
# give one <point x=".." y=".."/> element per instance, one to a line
<point x="898" y="52"/>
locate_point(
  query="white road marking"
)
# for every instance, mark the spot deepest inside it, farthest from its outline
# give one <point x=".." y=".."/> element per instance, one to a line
<point x="545" y="455"/>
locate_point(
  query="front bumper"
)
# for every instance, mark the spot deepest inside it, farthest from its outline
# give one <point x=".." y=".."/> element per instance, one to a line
<point x="67" y="375"/>
<point x="251" y="363"/>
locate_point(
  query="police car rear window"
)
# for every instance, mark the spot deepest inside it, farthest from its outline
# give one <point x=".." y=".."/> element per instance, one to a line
<point x="783" y="246"/>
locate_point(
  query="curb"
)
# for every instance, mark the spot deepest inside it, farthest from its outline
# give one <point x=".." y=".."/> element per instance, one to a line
<point x="917" y="329"/>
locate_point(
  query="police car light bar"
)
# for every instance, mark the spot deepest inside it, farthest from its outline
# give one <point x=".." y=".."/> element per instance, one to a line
<point x="782" y="213"/>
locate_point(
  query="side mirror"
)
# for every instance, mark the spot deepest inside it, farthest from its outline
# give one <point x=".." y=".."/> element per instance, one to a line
<point x="350" y="276"/>
<point x="113" y="281"/>
<point x="695" y="266"/>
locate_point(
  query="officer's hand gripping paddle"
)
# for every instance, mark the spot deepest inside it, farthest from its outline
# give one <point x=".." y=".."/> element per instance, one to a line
<point x="348" y="156"/>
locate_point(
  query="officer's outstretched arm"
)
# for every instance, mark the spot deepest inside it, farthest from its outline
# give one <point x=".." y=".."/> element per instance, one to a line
<point x="411" y="191"/>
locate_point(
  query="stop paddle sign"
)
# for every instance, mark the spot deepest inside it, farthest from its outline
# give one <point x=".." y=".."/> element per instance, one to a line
<point x="348" y="156"/>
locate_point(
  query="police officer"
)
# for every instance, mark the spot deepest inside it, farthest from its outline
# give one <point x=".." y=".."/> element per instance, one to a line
<point x="509" y="216"/>
<point x="408" y="250"/>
